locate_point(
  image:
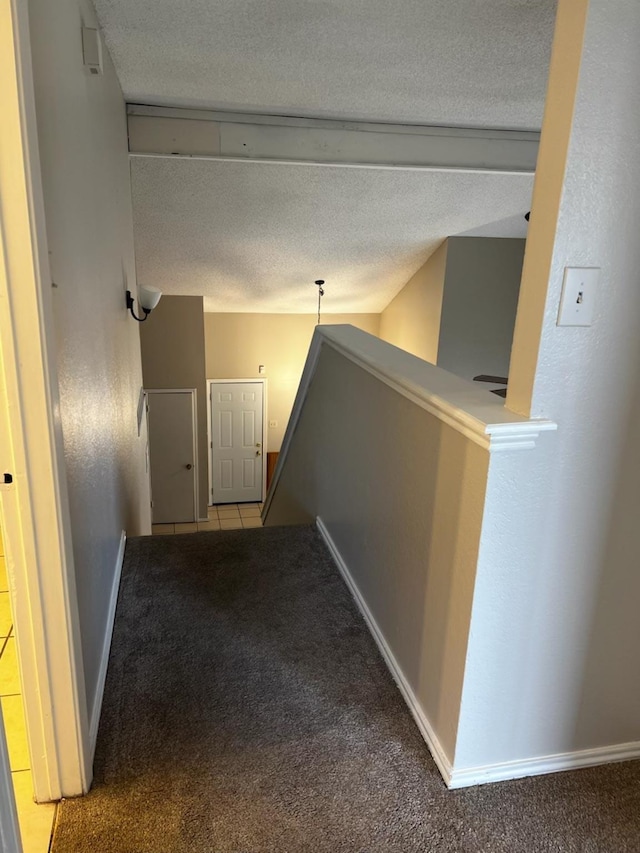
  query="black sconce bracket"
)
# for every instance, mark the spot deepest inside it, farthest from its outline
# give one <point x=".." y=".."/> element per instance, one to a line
<point x="130" y="304"/>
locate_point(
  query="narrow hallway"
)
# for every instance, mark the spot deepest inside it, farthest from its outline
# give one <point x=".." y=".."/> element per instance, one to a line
<point x="247" y="710"/>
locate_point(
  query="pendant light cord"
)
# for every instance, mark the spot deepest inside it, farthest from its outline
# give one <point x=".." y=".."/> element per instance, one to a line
<point x="319" y="283"/>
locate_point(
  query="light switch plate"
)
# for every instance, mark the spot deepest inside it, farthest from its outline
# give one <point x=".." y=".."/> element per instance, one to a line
<point x="578" y="296"/>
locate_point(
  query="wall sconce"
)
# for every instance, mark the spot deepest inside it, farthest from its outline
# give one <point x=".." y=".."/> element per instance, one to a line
<point x="148" y="298"/>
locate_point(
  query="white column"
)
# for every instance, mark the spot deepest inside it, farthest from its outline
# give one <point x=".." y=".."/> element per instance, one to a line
<point x="554" y="636"/>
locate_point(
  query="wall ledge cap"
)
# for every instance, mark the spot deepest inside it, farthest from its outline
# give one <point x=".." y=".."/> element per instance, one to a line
<point x="471" y="410"/>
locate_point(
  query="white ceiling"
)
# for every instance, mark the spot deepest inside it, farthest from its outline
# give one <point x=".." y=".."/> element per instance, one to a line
<point x="255" y="236"/>
<point x="465" y="62"/>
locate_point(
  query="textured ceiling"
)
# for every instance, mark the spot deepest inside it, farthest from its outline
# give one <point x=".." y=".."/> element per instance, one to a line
<point x="466" y="62"/>
<point x="255" y="236"/>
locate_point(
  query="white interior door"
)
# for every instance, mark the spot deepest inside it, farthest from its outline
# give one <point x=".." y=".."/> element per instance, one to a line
<point x="172" y="455"/>
<point x="236" y="441"/>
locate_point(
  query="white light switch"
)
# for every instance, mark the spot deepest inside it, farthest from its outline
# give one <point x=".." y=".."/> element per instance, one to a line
<point x="578" y="296"/>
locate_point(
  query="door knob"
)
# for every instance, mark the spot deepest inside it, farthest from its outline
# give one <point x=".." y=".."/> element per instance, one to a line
<point x="189" y="467"/>
<point x="258" y="453"/>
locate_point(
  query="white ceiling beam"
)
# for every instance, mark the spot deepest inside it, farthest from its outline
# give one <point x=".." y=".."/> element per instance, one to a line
<point x="207" y="134"/>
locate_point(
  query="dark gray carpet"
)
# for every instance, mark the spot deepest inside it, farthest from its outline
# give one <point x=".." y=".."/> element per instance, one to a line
<point x="247" y="711"/>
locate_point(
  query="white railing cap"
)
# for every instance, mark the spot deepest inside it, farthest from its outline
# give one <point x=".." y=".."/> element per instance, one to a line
<point x="467" y="407"/>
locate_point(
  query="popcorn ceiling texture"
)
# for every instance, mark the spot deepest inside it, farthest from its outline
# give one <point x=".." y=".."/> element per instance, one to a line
<point x="251" y="237"/>
<point x="467" y="62"/>
<point x="255" y="236"/>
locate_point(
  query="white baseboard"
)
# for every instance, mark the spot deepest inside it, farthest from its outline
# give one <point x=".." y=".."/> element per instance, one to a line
<point x="435" y="748"/>
<point x="465" y="777"/>
<point x="106" y="648"/>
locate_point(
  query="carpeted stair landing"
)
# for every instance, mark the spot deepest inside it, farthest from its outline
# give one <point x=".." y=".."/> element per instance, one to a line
<point x="247" y="710"/>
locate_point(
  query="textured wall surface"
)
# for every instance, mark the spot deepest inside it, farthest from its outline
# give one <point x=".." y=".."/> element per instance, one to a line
<point x="237" y="344"/>
<point x="480" y="299"/>
<point x="405" y="514"/>
<point x="173" y="356"/>
<point x="411" y="320"/>
<point x="441" y="61"/>
<point x="558" y="627"/>
<point x="255" y="236"/>
<point x="458" y="311"/>
<point x="83" y="146"/>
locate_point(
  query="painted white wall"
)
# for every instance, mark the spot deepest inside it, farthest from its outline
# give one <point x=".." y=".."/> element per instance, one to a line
<point x="411" y="320"/>
<point x="85" y="169"/>
<point x="458" y="311"/>
<point x="553" y="667"/>
<point x="395" y="456"/>
<point x="479" y="302"/>
<point x="401" y="494"/>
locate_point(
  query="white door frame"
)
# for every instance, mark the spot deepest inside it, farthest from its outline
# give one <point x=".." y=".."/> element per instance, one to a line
<point x="262" y="381"/>
<point x="194" y="408"/>
<point x="34" y="506"/>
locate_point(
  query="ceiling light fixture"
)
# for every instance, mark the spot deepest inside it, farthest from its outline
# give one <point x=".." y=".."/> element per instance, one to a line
<point x="319" y="284"/>
<point x="148" y="298"/>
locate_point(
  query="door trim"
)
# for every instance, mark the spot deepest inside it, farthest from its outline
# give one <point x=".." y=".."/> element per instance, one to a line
<point x="261" y="381"/>
<point x="194" y="408"/>
<point x="35" y="507"/>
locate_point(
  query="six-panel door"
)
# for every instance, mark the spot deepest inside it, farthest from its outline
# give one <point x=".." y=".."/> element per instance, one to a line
<point x="236" y="436"/>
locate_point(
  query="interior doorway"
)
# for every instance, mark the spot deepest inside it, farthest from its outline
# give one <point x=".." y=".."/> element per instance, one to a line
<point x="173" y="455"/>
<point x="34" y="508"/>
<point x="237" y="467"/>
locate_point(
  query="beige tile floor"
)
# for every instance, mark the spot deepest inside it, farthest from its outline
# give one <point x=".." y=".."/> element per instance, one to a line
<point x="221" y="517"/>
<point x="36" y="821"/>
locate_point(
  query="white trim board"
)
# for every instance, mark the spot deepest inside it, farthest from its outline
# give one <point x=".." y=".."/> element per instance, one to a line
<point x="507" y="770"/>
<point x="435" y="748"/>
<point x="106" y="647"/>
